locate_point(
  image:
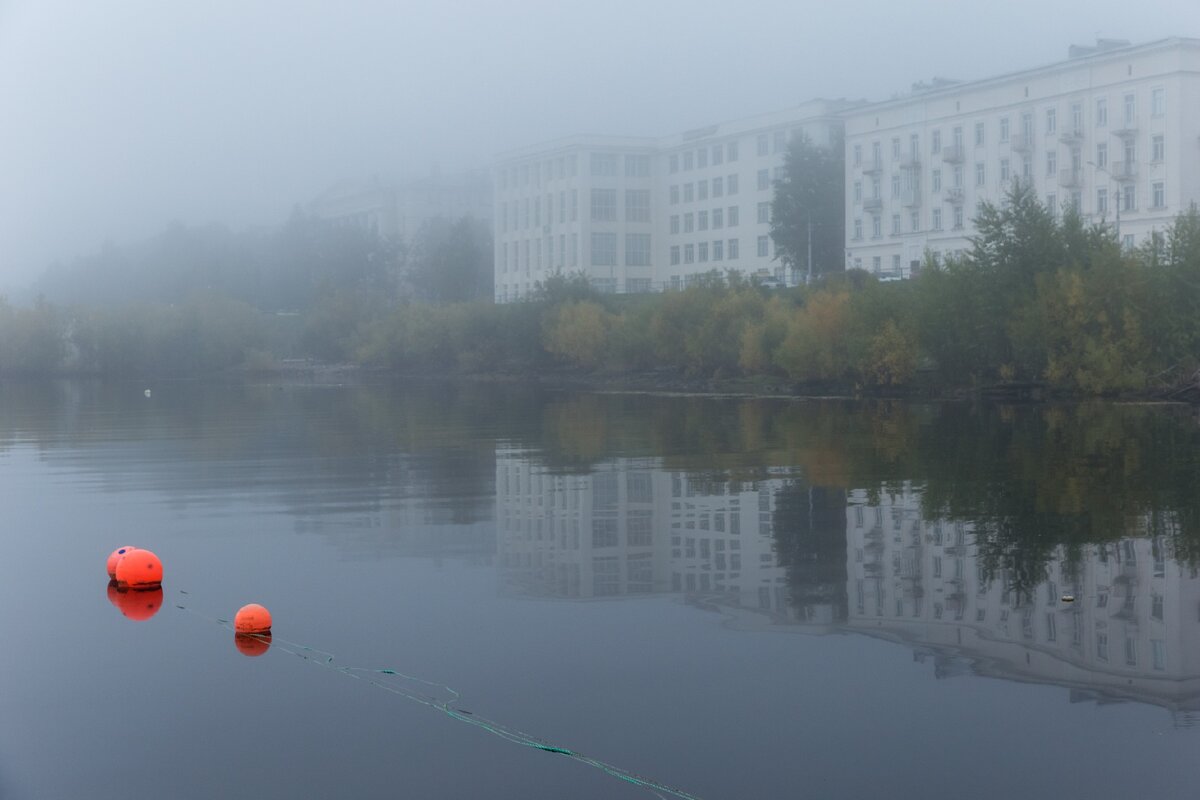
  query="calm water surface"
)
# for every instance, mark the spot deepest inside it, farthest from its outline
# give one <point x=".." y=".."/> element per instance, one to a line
<point x="736" y="599"/>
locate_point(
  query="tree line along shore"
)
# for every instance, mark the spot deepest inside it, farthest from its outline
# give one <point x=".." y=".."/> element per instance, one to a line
<point x="1041" y="298"/>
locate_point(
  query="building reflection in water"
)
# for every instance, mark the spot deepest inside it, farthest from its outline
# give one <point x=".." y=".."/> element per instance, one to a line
<point x="775" y="552"/>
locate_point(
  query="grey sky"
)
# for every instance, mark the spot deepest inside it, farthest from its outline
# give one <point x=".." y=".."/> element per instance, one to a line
<point x="119" y="117"/>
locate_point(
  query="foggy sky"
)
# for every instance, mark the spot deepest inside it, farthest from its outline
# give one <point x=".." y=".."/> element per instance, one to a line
<point x="119" y="117"/>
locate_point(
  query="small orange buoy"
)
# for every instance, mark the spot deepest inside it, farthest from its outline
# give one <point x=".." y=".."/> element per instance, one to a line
<point x="139" y="569"/>
<point x="252" y="618"/>
<point x="114" y="557"/>
<point x="252" y="644"/>
<point x="138" y="606"/>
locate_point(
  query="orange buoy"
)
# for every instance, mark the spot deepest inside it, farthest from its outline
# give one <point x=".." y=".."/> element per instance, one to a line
<point x="114" y="557"/>
<point x="252" y="644"/>
<point x="139" y="569"/>
<point x="138" y="606"/>
<point x="252" y="618"/>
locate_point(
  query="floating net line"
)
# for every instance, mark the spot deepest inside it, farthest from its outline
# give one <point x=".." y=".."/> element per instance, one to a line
<point x="389" y="680"/>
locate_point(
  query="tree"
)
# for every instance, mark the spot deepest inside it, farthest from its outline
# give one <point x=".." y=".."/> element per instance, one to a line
<point x="451" y="260"/>
<point x="810" y="204"/>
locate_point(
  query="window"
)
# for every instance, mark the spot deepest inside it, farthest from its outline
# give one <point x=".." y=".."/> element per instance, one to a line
<point x="979" y="174"/>
<point x="1004" y="170"/>
<point x="895" y="186"/>
<point x="674" y="191"/>
<point x="604" y="165"/>
<point x="1102" y="154"/>
<point x="702" y="252"/>
<point x="718" y="153"/>
<point x="637" y="166"/>
<point x="936" y="219"/>
<point x="1051" y="163"/>
<point x="1157" y="148"/>
<point x="637" y="205"/>
<point x="637" y="249"/>
<point x="1158" y="102"/>
<point x="858" y="228"/>
<point x="702" y="190"/>
<point x="1101" y="112"/>
<point x="857" y="192"/>
<point x="674" y="254"/>
<point x="895" y="224"/>
<point x="895" y="148"/>
<point x="915" y="221"/>
<point x="731" y="151"/>
<point x="877" y="265"/>
<point x="689" y="222"/>
<point x="1051" y="120"/>
<point x="896" y="264"/>
<point x="764" y="180"/>
<point x="701" y="220"/>
<point x="876" y="226"/>
<point x="733" y="249"/>
<point x="562" y="207"/>
<point x="688" y="192"/>
<point x="1127" y="197"/>
<point x="689" y="254"/>
<point x="762" y="246"/>
<point x="673" y="163"/>
<point x="762" y="144"/>
<point x="718" y="253"/>
<point x="958" y="218"/>
<point x="958" y="176"/>
<point x="718" y="217"/>
<point x="733" y="217"/>
<point x="718" y="187"/>
<point x="1004" y="129"/>
<point x="604" y="205"/>
<point x="874" y="188"/>
<point x="979" y="134"/>
<point x="604" y="249"/>
<point x="958" y="137"/>
<point x="1130" y="104"/>
<point x="1052" y="204"/>
<point x="1027" y="167"/>
<point x="1102" y="201"/>
<point x="674" y="223"/>
<point x="857" y="155"/>
<point x="936" y="181"/>
<point x="1076" y="118"/>
<point x="936" y="139"/>
<point x="688" y="160"/>
<point x="702" y="158"/>
<point x="732" y="185"/>
<point x="1158" y="195"/>
<point x="764" y="213"/>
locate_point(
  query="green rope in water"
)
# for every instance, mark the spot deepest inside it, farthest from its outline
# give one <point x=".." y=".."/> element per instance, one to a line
<point x="325" y="659"/>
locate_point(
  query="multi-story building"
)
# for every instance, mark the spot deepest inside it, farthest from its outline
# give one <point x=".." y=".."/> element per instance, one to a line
<point x="637" y="214"/>
<point x="1112" y="131"/>
<point x="398" y="209"/>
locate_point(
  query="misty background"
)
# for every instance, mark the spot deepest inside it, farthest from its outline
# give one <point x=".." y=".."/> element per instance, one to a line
<point x="121" y="118"/>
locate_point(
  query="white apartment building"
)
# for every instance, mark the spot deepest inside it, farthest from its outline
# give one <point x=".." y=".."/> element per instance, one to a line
<point x="642" y="214"/>
<point x="1113" y="130"/>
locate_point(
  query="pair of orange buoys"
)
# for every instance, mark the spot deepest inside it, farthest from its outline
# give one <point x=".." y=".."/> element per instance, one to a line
<point x="135" y="589"/>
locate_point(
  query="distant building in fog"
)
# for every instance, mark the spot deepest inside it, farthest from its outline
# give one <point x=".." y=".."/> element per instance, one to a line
<point x="397" y="209"/>
<point x="641" y="214"/>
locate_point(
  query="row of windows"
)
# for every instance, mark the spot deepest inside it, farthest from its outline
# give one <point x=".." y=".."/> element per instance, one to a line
<point x="699" y="220"/>
<point x="1158" y="106"/>
<point x="701" y="252"/>
<point x="604" y="205"/>
<point x="721" y="186"/>
<point x="699" y="158"/>
<point x="600" y="165"/>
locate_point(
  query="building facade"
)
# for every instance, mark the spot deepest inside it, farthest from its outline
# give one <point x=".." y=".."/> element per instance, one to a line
<point x="641" y="214"/>
<point x="1112" y="131"/>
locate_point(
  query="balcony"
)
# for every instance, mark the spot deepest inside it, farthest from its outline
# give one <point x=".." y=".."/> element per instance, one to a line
<point x="1124" y="171"/>
<point x="1071" y="136"/>
<point x="1070" y="178"/>
<point x="1127" y="129"/>
<point x="954" y="195"/>
<point x="1021" y="143"/>
<point x="952" y="154"/>
<point x="872" y="203"/>
<point x="910" y="161"/>
<point x="871" y="166"/>
<point x="911" y="197"/>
